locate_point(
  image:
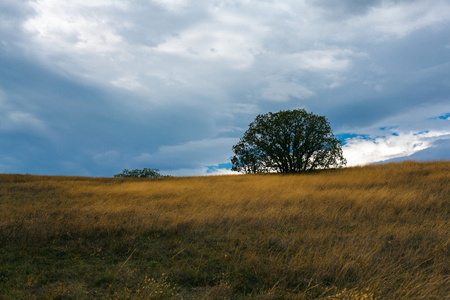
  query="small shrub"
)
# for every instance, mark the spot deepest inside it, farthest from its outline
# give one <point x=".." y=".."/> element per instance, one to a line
<point x="144" y="173"/>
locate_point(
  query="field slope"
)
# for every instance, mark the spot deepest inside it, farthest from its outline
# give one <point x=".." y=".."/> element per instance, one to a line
<point x="379" y="232"/>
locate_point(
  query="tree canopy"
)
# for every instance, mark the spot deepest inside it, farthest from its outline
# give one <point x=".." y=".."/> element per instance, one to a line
<point x="290" y="141"/>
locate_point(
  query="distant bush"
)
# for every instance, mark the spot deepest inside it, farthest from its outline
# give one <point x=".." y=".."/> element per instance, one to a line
<point x="144" y="173"/>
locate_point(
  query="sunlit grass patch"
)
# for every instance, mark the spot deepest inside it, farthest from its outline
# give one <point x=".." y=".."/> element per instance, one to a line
<point x="376" y="231"/>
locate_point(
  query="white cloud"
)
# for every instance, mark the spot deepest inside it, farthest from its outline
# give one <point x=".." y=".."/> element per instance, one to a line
<point x="80" y="39"/>
<point x="420" y="118"/>
<point x="400" y="135"/>
<point x="361" y="151"/>
<point x="212" y="44"/>
<point x="330" y="60"/>
<point x="228" y="38"/>
<point x="75" y="27"/>
<point x="397" y="20"/>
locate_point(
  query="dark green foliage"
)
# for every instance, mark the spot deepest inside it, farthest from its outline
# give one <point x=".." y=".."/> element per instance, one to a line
<point x="290" y="141"/>
<point x="144" y="173"/>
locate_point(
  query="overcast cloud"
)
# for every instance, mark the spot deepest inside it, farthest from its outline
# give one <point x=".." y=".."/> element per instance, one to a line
<point x="93" y="87"/>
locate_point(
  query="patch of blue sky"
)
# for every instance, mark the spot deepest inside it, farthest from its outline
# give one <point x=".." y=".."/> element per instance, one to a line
<point x="442" y="117"/>
<point x="388" y="128"/>
<point x="344" y="137"/>
<point x="213" y="169"/>
<point x="445" y="117"/>
<point x="422" y="132"/>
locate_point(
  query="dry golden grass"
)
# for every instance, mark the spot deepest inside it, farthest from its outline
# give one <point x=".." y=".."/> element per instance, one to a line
<point x="375" y="232"/>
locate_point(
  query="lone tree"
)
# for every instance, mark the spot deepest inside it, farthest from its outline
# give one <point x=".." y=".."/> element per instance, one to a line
<point x="287" y="142"/>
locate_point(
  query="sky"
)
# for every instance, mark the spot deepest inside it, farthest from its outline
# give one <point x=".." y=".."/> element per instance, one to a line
<point x="91" y="87"/>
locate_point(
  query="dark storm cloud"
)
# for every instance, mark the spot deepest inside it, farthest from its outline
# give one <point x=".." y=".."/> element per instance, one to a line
<point x="90" y="88"/>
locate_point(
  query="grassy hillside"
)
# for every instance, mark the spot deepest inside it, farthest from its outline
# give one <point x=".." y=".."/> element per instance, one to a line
<point x="379" y="232"/>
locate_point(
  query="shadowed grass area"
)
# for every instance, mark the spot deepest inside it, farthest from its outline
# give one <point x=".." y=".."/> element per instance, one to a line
<point x="379" y="232"/>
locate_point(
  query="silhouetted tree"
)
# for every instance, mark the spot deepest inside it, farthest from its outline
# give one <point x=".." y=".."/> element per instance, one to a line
<point x="287" y="142"/>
